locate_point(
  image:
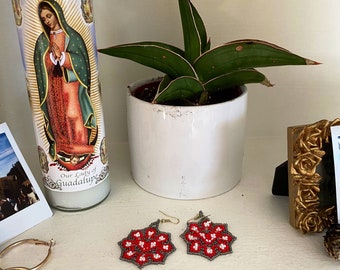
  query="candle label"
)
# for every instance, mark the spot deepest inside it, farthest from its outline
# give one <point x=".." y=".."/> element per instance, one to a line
<point x="58" y="47"/>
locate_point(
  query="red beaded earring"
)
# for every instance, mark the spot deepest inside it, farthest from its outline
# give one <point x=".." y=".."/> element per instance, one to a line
<point x="207" y="239"/>
<point x="147" y="246"/>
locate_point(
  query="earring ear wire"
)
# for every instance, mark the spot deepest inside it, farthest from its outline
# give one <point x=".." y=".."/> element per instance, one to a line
<point x="170" y="219"/>
<point x="198" y="217"/>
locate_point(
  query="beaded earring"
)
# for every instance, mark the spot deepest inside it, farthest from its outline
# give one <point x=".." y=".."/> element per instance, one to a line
<point x="147" y="246"/>
<point x="207" y="239"/>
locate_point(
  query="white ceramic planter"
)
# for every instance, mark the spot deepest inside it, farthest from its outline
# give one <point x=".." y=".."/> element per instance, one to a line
<point x="186" y="152"/>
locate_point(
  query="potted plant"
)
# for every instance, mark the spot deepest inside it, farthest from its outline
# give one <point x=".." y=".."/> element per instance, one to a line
<point x="186" y="129"/>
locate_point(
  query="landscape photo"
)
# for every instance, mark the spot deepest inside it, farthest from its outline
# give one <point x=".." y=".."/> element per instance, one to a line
<point x="16" y="190"/>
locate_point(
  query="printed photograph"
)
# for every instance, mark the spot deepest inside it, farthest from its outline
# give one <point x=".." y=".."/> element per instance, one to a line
<point x="16" y="190"/>
<point x="22" y="203"/>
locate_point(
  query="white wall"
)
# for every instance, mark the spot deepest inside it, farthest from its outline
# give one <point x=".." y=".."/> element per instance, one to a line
<point x="301" y="94"/>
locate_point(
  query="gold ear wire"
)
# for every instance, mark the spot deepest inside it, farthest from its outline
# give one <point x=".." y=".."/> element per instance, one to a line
<point x="199" y="216"/>
<point x="170" y="219"/>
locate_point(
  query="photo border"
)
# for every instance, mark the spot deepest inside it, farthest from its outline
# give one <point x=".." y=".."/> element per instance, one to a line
<point x="31" y="215"/>
<point x="306" y="151"/>
<point x="335" y="133"/>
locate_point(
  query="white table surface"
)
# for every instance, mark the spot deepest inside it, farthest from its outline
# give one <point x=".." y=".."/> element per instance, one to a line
<point x="265" y="239"/>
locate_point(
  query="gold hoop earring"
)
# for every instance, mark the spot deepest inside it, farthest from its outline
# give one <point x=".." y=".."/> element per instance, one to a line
<point x="50" y="244"/>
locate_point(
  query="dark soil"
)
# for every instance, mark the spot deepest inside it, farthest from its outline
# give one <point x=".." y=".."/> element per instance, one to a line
<point x="147" y="92"/>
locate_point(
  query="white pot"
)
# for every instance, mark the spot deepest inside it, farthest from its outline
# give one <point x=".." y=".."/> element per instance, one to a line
<point x="184" y="152"/>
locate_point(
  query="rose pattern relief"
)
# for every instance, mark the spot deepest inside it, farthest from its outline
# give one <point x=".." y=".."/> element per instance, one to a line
<point x="307" y="155"/>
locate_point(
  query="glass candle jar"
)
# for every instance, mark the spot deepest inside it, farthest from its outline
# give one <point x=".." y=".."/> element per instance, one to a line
<point x="58" y="48"/>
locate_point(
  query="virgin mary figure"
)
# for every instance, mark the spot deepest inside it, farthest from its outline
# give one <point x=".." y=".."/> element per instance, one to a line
<point x="63" y="77"/>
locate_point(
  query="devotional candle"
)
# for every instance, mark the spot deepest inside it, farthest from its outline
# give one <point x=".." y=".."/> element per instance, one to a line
<point x="58" y="48"/>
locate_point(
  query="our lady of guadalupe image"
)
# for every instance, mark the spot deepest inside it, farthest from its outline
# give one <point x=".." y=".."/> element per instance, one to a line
<point x="63" y="77"/>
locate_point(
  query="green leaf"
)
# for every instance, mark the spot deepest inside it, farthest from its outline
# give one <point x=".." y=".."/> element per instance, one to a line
<point x="244" y="54"/>
<point x="180" y="88"/>
<point x="207" y="46"/>
<point x="191" y="35"/>
<point x="236" y="78"/>
<point x="165" y="46"/>
<point x="164" y="83"/>
<point x="160" y="56"/>
<point x="205" y="43"/>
